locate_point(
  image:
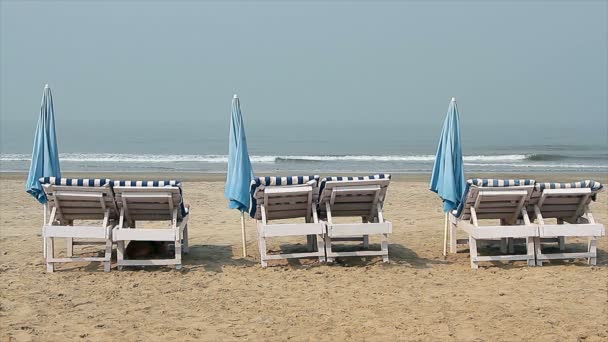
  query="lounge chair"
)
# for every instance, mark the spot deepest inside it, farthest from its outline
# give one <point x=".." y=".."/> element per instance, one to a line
<point x="568" y="203"/>
<point x="72" y="200"/>
<point x="275" y="198"/>
<point x="361" y="197"/>
<point x="150" y="201"/>
<point x="495" y="199"/>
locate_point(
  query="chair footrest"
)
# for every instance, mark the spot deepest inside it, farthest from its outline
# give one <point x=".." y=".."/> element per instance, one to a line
<point x="354" y="229"/>
<point x="357" y="253"/>
<point x="294" y="255"/>
<point x="141" y="234"/>
<point x="151" y="262"/>
<point x="565" y="256"/>
<point x="503" y="257"/>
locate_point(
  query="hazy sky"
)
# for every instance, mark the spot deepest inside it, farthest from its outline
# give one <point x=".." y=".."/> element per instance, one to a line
<point x="397" y="62"/>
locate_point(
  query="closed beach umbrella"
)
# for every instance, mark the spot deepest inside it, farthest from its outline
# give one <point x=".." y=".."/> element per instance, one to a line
<point x="240" y="173"/>
<point x="447" y="179"/>
<point x="45" y="155"/>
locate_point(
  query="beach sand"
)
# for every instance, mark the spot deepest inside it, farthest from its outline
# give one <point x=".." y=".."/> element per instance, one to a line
<point x="219" y="296"/>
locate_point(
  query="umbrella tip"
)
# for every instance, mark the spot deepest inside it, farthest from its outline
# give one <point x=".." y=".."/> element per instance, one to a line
<point x="453" y="99"/>
<point x="46" y="86"/>
<point x="235" y="96"/>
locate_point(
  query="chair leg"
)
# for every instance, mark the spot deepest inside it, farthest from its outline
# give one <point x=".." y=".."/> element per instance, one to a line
<point x="185" y="244"/>
<point x="365" y="241"/>
<point x="538" y="250"/>
<point x="328" y="249"/>
<point x="453" y="245"/>
<point x="70" y="247"/>
<point x="562" y="243"/>
<point x="120" y="253"/>
<point x="321" y="247"/>
<point x="530" y="251"/>
<point x="310" y="242"/>
<point x="503" y="245"/>
<point x="384" y="247"/>
<point x="592" y="248"/>
<point x="178" y="251"/>
<point x="473" y="252"/>
<point x="262" y="246"/>
<point x="50" y="254"/>
<point x="107" y="264"/>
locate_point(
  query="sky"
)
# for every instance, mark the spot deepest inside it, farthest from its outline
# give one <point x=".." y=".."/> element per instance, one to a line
<point x="178" y="63"/>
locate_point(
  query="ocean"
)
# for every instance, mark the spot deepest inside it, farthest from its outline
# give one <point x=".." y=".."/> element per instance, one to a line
<point x="306" y="147"/>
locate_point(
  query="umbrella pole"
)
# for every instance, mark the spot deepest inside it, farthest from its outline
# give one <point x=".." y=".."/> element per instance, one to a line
<point x="243" y="234"/>
<point x="445" y="235"/>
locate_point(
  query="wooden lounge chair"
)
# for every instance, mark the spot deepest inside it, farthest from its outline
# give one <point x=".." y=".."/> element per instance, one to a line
<point x="276" y="198"/>
<point x="150" y="201"/>
<point x="568" y="203"/>
<point x="494" y="199"/>
<point x="72" y="200"/>
<point x="361" y="197"/>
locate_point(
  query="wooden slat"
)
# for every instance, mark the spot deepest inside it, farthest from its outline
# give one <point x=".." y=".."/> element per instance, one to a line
<point x="84" y="204"/>
<point x="142" y="234"/>
<point x="349" y="229"/>
<point x="291" y="229"/>
<point x="551" y="230"/>
<point x="561" y="200"/>
<point x="282" y="207"/>
<point x="75" y="232"/>
<point x="287" y="199"/>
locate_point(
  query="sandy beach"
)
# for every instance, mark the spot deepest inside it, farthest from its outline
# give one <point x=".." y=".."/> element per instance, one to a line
<point x="220" y="296"/>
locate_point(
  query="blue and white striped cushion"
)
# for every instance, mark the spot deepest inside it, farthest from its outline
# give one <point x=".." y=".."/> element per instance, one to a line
<point x="489" y="183"/>
<point x="88" y="182"/>
<point x="274" y="181"/>
<point x="345" y="179"/>
<point x="154" y="184"/>
<point x="590" y="184"/>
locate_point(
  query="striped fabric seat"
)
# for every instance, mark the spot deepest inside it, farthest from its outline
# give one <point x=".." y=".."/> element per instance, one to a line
<point x="261" y="182"/>
<point x="89" y="182"/>
<point x="591" y="184"/>
<point x="346" y="179"/>
<point x="154" y="184"/>
<point x="489" y="183"/>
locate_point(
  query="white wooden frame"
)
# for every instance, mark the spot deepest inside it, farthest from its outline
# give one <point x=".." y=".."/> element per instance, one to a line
<point x="506" y="204"/>
<point x="70" y="203"/>
<point x="285" y="202"/>
<point x="574" y="219"/>
<point x="150" y="204"/>
<point x="355" y="198"/>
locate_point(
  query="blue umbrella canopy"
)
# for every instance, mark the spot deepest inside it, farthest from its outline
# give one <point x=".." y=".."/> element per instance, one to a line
<point x="240" y="172"/>
<point x="447" y="179"/>
<point x="45" y="155"/>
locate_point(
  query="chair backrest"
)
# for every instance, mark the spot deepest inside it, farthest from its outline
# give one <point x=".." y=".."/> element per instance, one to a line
<point x="495" y="198"/>
<point x="149" y="200"/>
<point x="79" y="198"/>
<point x="284" y="197"/>
<point x="353" y="196"/>
<point x="564" y="200"/>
